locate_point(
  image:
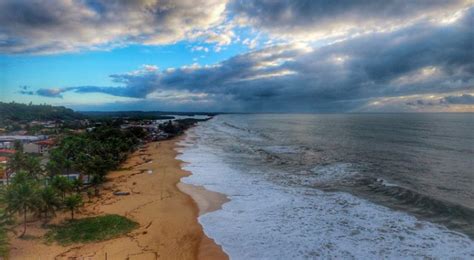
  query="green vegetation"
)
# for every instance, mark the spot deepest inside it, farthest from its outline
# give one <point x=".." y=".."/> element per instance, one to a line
<point x="178" y="126"/>
<point x="21" y="197"/>
<point x="92" y="154"/>
<point x="92" y="229"/>
<point x="5" y="220"/>
<point x="3" y="243"/>
<point x="139" y="115"/>
<point x="40" y="191"/>
<point x="44" y="190"/>
<point x="15" y="112"/>
<point x="73" y="202"/>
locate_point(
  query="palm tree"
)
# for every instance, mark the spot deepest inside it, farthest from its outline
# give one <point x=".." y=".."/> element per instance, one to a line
<point x="50" y="201"/>
<point x="62" y="184"/>
<point x="73" y="202"/>
<point x="32" y="166"/>
<point x="15" y="164"/>
<point x="4" y="221"/>
<point x="21" y="197"/>
<point x="77" y="184"/>
<point x="58" y="163"/>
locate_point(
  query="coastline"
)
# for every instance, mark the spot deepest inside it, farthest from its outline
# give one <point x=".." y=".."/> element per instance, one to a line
<point x="166" y="210"/>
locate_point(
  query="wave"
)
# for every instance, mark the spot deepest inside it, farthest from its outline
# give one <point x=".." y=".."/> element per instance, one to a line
<point x="346" y="177"/>
<point x="451" y="215"/>
<point x="268" y="221"/>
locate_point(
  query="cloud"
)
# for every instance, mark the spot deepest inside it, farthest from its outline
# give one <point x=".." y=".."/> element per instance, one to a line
<point x="200" y="48"/>
<point x="250" y="43"/>
<point x="357" y="74"/>
<point x="55" y="26"/>
<point x="25" y="90"/>
<point x="316" y="20"/>
<point x="464" y="99"/>
<point x="419" y="102"/>
<point x="51" y="26"/>
<point x="52" y="92"/>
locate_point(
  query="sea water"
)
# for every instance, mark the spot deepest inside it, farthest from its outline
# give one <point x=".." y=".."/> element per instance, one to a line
<point x="346" y="186"/>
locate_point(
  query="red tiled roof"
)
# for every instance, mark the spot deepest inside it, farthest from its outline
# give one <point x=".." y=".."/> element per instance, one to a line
<point x="46" y="142"/>
<point x="9" y="151"/>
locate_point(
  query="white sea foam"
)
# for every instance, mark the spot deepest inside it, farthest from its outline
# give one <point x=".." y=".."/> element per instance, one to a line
<point x="279" y="149"/>
<point x="386" y="183"/>
<point x="264" y="220"/>
<point x="332" y="172"/>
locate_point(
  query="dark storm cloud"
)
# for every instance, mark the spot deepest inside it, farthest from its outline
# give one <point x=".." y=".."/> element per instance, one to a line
<point x="464" y="99"/>
<point x="54" y="93"/>
<point x="423" y="58"/>
<point x="288" y="17"/>
<point x="420" y="102"/>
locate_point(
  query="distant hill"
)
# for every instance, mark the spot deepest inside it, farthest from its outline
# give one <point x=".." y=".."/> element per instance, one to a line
<point x="17" y="112"/>
<point x="140" y="114"/>
<point x="23" y="112"/>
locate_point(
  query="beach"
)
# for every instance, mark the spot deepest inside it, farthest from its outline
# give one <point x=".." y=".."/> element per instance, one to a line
<point x="167" y="215"/>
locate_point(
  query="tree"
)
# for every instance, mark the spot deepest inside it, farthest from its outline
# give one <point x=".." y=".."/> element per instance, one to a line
<point x="73" y="202"/>
<point x="50" y="201"/>
<point x="62" y="184"/>
<point x="77" y="184"/>
<point x="96" y="180"/>
<point x="23" y="162"/>
<point x="58" y="163"/>
<point x="31" y="165"/>
<point x="16" y="162"/>
<point x="169" y="128"/>
<point x="21" y="197"/>
<point x="18" y="146"/>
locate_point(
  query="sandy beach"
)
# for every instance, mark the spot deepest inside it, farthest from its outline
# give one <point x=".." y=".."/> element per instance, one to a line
<point x="167" y="215"/>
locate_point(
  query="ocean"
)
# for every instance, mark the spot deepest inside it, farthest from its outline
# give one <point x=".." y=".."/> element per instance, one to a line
<point x="351" y="186"/>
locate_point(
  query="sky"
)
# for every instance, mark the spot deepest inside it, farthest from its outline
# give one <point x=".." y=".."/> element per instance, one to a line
<point x="239" y="56"/>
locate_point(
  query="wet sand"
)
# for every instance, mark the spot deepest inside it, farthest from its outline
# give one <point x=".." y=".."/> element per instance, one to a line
<point x="167" y="216"/>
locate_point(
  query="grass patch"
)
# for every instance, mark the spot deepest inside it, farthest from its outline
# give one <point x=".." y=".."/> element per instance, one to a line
<point x="3" y="243"/>
<point x="92" y="229"/>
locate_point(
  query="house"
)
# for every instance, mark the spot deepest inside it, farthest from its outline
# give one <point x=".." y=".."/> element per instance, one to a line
<point x="21" y="138"/>
<point x="3" y="160"/>
<point x="3" y="177"/>
<point x="6" y="152"/>
<point x="73" y="175"/>
<point x="6" y="145"/>
<point x="39" y="147"/>
<point x="3" y="170"/>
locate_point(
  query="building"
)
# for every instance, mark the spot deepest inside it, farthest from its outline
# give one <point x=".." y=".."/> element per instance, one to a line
<point x="73" y="175"/>
<point x="7" y="141"/>
<point x="7" y="152"/>
<point x="39" y="147"/>
<point x="3" y="170"/>
<point x="6" y="145"/>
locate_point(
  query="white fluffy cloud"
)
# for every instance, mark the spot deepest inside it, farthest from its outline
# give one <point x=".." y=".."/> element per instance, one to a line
<point x="50" y="26"/>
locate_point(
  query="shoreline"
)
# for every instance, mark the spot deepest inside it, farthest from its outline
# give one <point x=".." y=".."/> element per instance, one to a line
<point x="205" y="201"/>
<point x="166" y="209"/>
